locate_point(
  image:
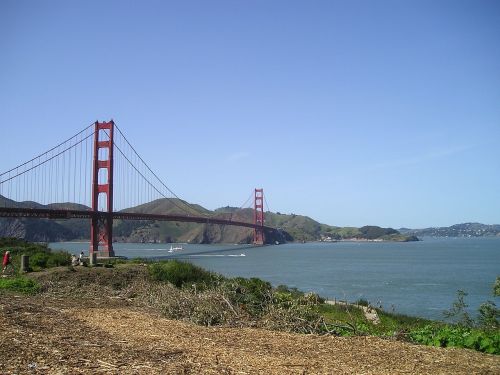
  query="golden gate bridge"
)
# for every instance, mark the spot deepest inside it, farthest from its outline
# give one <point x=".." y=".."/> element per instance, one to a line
<point x="98" y="175"/>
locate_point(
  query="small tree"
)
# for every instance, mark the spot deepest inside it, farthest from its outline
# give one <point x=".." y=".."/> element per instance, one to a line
<point x="489" y="315"/>
<point x="458" y="311"/>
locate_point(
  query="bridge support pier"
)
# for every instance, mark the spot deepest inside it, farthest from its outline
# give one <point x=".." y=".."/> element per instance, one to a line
<point x="101" y="225"/>
<point x="258" y="217"/>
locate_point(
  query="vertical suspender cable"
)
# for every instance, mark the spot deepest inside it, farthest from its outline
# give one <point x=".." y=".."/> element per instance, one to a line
<point x="63" y="177"/>
<point x="74" y="174"/>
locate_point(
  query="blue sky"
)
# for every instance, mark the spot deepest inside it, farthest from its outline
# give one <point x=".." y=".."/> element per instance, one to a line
<point x="350" y="112"/>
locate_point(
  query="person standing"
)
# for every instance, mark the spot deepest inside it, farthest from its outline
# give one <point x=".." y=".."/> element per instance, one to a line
<point x="81" y="258"/>
<point x="6" y="261"/>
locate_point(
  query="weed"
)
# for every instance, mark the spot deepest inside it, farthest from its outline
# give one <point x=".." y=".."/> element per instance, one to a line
<point x="458" y="336"/>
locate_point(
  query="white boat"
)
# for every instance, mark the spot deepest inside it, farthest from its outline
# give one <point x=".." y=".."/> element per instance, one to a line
<point x="175" y="248"/>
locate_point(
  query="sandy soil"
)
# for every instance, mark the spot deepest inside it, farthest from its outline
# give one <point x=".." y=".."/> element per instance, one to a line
<point x="60" y="336"/>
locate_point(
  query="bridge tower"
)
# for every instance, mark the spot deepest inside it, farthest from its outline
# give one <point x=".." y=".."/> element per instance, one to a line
<point x="258" y="217"/>
<point x="101" y="227"/>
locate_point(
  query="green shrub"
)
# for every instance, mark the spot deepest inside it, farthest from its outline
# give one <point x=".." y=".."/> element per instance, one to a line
<point x="252" y="295"/>
<point x="362" y="302"/>
<point x="39" y="260"/>
<point x="293" y="292"/>
<point x="59" y="258"/>
<point x="458" y="336"/>
<point x="256" y="288"/>
<point x="20" y="284"/>
<point x="180" y="273"/>
<point x="458" y="312"/>
<point x="489" y="315"/>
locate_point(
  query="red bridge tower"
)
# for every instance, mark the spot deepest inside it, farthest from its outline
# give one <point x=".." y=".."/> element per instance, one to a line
<point x="258" y="217"/>
<point x="101" y="228"/>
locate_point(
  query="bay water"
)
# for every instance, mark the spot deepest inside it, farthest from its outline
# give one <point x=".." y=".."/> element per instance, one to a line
<point x="413" y="278"/>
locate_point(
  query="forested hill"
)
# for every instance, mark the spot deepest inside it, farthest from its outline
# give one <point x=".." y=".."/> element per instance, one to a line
<point x="291" y="227"/>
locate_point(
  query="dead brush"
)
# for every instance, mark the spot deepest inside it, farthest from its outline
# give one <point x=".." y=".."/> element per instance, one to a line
<point x="207" y="307"/>
<point x="297" y="315"/>
<point x="227" y="304"/>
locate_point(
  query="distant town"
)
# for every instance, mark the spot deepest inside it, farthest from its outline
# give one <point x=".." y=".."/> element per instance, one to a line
<point x="457" y="230"/>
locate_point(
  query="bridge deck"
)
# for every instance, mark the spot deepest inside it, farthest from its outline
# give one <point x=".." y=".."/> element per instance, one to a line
<point x="15" y="212"/>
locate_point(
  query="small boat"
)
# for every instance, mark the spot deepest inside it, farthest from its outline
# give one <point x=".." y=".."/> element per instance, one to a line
<point x="175" y="248"/>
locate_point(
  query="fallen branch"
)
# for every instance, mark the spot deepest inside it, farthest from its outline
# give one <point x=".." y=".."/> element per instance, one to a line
<point x="230" y="306"/>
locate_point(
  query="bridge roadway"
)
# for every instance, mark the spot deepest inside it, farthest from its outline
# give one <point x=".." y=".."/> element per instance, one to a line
<point x="45" y="213"/>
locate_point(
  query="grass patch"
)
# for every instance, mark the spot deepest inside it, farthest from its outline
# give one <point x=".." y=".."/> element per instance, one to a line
<point x="391" y="323"/>
<point x="336" y="313"/>
<point x="20" y="284"/>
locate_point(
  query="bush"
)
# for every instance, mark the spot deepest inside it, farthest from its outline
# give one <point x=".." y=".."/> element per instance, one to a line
<point x="252" y="295"/>
<point x="293" y="292"/>
<point x="39" y="260"/>
<point x="59" y="258"/>
<point x="20" y="284"/>
<point x="362" y="302"/>
<point x="180" y="273"/>
<point x="489" y="315"/>
<point x="458" y="311"/>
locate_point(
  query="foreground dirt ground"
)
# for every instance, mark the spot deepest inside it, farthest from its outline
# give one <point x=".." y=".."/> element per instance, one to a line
<point x="60" y="336"/>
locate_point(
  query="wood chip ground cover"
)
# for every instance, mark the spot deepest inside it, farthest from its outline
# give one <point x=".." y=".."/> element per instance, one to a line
<point x="47" y="335"/>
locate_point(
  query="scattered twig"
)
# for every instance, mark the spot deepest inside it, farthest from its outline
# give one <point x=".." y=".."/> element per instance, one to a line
<point x="106" y="363"/>
<point x="293" y="365"/>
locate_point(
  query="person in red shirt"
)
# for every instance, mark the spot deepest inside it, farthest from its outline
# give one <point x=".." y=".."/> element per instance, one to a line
<point x="6" y="261"/>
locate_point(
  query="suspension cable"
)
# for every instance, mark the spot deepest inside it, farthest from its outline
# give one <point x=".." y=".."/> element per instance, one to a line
<point x="46" y="152"/>
<point x="154" y="174"/>
<point x="265" y="201"/>
<point x="149" y="182"/>
<point x="244" y="205"/>
<point x="43" y="162"/>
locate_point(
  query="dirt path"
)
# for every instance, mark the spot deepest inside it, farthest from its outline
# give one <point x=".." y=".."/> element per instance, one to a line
<point x="69" y="337"/>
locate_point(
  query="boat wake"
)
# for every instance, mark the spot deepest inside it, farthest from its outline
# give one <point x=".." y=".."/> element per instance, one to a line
<point x="217" y="255"/>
